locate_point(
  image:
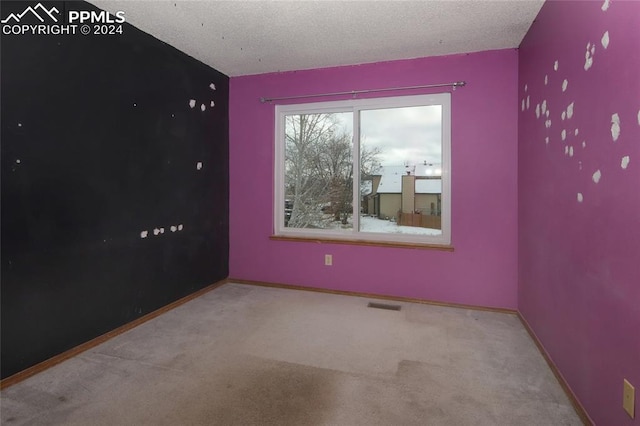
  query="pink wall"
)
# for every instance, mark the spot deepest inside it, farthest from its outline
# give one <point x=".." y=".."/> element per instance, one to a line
<point x="579" y="273"/>
<point x="483" y="268"/>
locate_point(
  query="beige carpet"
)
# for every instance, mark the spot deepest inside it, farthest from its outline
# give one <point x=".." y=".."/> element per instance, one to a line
<point x="245" y="355"/>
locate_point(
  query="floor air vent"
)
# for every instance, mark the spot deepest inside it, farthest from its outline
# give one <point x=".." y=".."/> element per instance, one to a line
<point x="384" y="306"/>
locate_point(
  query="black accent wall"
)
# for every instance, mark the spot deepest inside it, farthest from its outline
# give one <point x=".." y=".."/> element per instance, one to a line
<point x="99" y="144"/>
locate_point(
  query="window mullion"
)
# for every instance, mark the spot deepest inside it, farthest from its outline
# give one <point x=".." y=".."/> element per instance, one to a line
<point x="356" y="170"/>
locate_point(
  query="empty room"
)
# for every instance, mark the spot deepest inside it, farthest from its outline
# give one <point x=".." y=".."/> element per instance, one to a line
<point x="320" y="212"/>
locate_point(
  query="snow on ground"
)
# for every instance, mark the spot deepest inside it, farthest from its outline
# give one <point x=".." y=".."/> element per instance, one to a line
<point x="373" y="224"/>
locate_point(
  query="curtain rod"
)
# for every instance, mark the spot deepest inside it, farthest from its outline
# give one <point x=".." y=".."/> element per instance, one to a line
<point x="357" y="92"/>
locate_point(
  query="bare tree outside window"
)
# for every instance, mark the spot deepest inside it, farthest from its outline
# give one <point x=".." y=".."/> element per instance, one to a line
<point x="319" y="169"/>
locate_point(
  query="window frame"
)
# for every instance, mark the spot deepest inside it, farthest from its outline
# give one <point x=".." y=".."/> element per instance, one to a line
<point x="355" y="106"/>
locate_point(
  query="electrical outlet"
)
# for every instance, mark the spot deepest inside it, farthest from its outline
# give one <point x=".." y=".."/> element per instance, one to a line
<point x="328" y="260"/>
<point x="629" y="398"/>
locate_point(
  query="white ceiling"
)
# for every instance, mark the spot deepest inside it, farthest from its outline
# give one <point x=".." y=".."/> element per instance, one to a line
<point x="252" y="37"/>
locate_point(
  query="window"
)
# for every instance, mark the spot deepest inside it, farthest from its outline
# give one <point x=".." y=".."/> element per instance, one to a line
<point x="366" y="169"/>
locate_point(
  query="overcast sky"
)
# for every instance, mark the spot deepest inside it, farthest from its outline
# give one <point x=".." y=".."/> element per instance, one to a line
<point x="411" y="134"/>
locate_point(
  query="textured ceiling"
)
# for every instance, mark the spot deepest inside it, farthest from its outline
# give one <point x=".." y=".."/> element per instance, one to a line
<point x="253" y="37"/>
